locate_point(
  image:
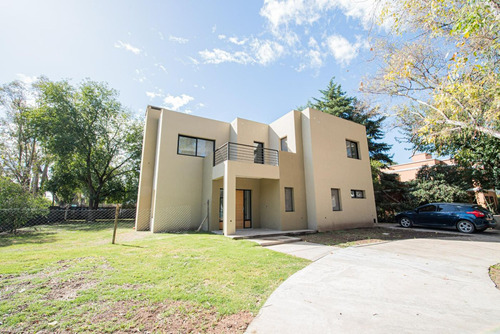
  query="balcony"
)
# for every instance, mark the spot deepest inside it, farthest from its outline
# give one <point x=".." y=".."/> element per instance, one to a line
<point x="246" y="153"/>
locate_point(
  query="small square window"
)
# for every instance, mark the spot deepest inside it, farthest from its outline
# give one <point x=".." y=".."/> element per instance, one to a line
<point x="289" y="200"/>
<point x="284" y="144"/>
<point x="336" y="199"/>
<point x="352" y="149"/>
<point x="357" y="193"/>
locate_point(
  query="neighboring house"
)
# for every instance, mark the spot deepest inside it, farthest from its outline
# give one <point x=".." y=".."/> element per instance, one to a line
<point x="408" y="172"/>
<point x="306" y="170"/>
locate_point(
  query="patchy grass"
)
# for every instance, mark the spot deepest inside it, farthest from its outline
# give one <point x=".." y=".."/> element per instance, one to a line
<point x="70" y="278"/>
<point x="495" y="274"/>
<point x="361" y="236"/>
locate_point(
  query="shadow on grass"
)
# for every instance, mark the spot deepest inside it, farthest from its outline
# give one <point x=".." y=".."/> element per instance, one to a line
<point x="47" y="233"/>
<point x="27" y="237"/>
<point x="125" y="245"/>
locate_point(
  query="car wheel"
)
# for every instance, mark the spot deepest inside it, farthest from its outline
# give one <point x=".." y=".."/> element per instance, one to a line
<point x="405" y="222"/>
<point x="465" y="226"/>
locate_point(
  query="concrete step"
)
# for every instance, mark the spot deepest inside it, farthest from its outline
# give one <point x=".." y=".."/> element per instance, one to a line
<point x="277" y="240"/>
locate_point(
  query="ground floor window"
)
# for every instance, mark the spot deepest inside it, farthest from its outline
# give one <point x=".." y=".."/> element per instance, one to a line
<point x="221" y="205"/>
<point x="336" y="199"/>
<point x="289" y="200"/>
<point x="357" y="193"/>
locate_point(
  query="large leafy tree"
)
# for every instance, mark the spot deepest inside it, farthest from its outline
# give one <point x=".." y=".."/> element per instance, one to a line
<point x="335" y="102"/>
<point x="22" y="159"/>
<point x="441" y="183"/>
<point x="448" y="71"/>
<point x="95" y="143"/>
<point x="446" y="77"/>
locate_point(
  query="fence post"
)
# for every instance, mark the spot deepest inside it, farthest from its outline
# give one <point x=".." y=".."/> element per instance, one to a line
<point x="117" y="212"/>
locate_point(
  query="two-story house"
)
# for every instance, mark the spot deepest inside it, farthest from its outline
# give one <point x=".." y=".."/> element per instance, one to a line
<point x="306" y="170"/>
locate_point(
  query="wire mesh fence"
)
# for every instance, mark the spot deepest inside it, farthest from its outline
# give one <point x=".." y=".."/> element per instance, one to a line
<point x="22" y="219"/>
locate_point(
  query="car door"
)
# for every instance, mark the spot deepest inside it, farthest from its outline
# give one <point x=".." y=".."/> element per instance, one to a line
<point x="426" y="215"/>
<point x="446" y="215"/>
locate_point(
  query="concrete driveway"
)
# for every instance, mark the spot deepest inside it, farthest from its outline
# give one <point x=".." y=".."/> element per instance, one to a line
<point x="407" y="286"/>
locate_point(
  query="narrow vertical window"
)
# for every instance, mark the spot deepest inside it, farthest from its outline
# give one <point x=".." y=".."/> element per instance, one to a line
<point x="352" y="149"/>
<point x="258" y="152"/>
<point x="335" y="199"/>
<point x="284" y="144"/>
<point x="289" y="200"/>
<point x="221" y="205"/>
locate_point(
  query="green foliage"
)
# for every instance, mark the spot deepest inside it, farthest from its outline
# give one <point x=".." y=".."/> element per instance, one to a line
<point x="391" y="195"/>
<point x="95" y="143"/>
<point x="335" y="102"/>
<point x="441" y="183"/>
<point x="18" y="206"/>
<point x="447" y="74"/>
<point x="21" y="158"/>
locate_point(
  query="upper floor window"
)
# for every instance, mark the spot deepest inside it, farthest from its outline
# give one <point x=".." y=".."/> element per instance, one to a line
<point x="193" y="146"/>
<point x="357" y="193"/>
<point x="352" y="149"/>
<point x="284" y="144"/>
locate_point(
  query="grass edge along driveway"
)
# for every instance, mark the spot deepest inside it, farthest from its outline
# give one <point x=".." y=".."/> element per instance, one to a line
<point x="69" y="278"/>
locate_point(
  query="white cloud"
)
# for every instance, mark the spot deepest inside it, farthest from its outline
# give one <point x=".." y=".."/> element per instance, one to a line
<point x="177" y="102"/>
<point x="217" y="56"/>
<point x="342" y="50"/>
<point x="128" y="47"/>
<point x="221" y="36"/>
<point x="153" y="95"/>
<point x="26" y="79"/>
<point x="301" y="12"/>
<point x="236" y="41"/>
<point x="266" y="51"/>
<point x="141" y="76"/>
<point x="179" y="40"/>
<point x="161" y="67"/>
<point x="214" y="28"/>
<point x="161" y="35"/>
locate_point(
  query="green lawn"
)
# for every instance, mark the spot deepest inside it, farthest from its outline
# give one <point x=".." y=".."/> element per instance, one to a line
<point x="71" y="278"/>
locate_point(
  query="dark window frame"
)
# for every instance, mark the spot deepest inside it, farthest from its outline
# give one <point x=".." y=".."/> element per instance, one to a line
<point x="258" y="152"/>
<point x="356" y="194"/>
<point x="292" y="209"/>
<point x="339" y="205"/>
<point x="349" y="151"/>
<point x="196" y="147"/>
<point x="281" y="144"/>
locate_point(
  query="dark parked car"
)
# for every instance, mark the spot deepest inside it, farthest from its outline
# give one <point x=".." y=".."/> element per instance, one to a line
<point x="466" y="218"/>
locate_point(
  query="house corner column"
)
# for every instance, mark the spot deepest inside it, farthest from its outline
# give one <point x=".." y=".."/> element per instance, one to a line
<point x="229" y="226"/>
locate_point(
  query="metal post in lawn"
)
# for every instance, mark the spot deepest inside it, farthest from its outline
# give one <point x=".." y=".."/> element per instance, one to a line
<point x="117" y="212"/>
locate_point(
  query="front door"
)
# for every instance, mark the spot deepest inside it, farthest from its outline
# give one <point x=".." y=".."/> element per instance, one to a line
<point x="243" y="209"/>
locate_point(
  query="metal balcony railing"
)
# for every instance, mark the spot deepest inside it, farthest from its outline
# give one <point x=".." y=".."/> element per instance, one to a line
<point x="246" y="153"/>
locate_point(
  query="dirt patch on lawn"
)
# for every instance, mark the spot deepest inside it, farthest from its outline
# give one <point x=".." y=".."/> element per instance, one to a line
<point x="61" y="284"/>
<point x="495" y="274"/>
<point x="169" y="317"/>
<point x="361" y="236"/>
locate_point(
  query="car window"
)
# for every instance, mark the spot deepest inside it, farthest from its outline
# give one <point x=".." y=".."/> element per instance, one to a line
<point x="447" y="208"/>
<point x="427" y="208"/>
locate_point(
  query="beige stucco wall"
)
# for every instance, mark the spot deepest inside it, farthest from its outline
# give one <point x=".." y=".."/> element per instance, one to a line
<point x="291" y="169"/>
<point x="176" y="187"/>
<point x="331" y="168"/>
<point x="147" y="170"/>
<point x="178" y="202"/>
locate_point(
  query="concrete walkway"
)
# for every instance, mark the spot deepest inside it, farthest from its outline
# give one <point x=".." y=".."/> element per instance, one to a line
<point x="407" y="286"/>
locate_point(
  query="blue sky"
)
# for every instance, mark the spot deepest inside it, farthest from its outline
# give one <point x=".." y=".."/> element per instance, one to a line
<point x="217" y="59"/>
